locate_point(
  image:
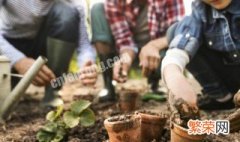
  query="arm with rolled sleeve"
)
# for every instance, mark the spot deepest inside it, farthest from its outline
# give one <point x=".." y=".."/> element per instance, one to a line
<point x="9" y="51"/>
<point x="85" y="50"/>
<point x="119" y="26"/>
<point x="185" y="43"/>
<point x="182" y="49"/>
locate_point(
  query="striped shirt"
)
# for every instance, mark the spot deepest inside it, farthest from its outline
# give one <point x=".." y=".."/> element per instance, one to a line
<point x="23" y="18"/>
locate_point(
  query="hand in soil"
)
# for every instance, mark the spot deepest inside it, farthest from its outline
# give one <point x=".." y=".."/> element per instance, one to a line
<point x="183" y="112"/>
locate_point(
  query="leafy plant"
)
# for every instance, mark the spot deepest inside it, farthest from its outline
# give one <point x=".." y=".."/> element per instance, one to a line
<point x="60" y="122"/>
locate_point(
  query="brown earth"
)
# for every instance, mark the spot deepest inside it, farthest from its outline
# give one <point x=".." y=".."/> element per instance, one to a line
<point x="29" y="117"/>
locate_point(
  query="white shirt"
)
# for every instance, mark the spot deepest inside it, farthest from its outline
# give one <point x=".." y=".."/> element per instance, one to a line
<point x="22" y="19"/>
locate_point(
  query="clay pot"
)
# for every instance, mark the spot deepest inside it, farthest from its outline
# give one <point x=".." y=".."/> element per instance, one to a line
<point x="122" y="129"/>
<point x="180" y="134"/>
<point x="152" y="125"/>
<point x="129" y="100"/>
<point x="234" y="120"/>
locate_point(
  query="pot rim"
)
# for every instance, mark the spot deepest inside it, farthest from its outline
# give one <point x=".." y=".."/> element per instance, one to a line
<point x="117" y="126"/>
<point x="181" y="131"/>
<point x="131" y="119"/>
<point x="155" y="115"/>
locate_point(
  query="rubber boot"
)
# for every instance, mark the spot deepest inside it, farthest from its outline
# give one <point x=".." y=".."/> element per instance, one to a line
<point x="59" y="54"/>
<point x="155" y="77"/>
<point x="108" y="93"/>
<point x="153" y="81"/>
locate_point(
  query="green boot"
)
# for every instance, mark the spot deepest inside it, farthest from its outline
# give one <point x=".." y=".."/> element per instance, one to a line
<point x="59" y="54"/>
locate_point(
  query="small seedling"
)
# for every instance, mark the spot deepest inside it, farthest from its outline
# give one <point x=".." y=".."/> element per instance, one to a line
<point x="59" y="122"/>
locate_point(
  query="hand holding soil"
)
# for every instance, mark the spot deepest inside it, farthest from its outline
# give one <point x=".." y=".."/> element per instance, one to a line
<point x="122" y="66"/>
<point x="183" y="112"/>
<point x="120" y="71"/>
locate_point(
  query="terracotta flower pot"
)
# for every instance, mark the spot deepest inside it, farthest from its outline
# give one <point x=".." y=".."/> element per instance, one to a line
<point x="124" y="128"/>
<point x="234" y="120"/>
<point x="180" y="134"/>
<point x="152" y="125"/>
<point x="129" y="100"/>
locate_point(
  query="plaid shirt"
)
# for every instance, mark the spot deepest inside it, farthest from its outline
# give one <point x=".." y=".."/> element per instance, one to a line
<point x="122" y="14"/>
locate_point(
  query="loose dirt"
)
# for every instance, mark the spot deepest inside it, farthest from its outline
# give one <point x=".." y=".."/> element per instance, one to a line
<point x="183" y="113"/>
<point x="29" y="117"/>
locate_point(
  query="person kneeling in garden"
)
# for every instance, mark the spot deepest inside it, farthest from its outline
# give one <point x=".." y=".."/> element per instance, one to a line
<point x="208" y="44"/>
<point x="54" y="29"/>
<point x="133" y="28"/>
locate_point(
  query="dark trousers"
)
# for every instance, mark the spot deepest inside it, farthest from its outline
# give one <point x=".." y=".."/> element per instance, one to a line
<point x="215" y="75"/>
<point x="61" y="23"/>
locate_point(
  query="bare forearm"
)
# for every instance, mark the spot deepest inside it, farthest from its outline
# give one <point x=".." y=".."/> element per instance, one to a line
<point x="178" y="84"/>
<point x="129" y="53"/>
<point x="160" y="43"/>
<point x="171" y="74"/>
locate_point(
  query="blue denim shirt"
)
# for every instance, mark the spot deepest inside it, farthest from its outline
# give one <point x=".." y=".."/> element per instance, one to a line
<point x="209" y="27"/>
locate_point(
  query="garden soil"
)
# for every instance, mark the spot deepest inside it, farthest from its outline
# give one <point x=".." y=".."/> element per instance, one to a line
<point x="29" y="117"/>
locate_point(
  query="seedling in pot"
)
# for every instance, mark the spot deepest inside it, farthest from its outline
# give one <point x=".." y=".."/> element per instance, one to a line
<point x="59" y="122"/>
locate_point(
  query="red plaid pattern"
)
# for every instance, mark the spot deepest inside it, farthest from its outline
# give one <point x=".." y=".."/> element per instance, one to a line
<point x="122" y="15"/>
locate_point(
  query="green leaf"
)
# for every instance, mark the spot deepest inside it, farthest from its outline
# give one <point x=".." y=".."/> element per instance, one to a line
<point x="79" y="106"/>
<point x="59" y="110"/>
<point x="53" y="115"/>
<point x="43" y="136"/>
<point x="71" y="119"/>
<point x="50" y="127"/>
<point x="87" y="118"/>
<point x="60" y="135"/>
<point x="52" y="132"/>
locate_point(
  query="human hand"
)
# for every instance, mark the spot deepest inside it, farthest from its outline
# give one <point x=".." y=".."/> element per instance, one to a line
<point x="43" y="77"/>
<point x="179" y="85"/>
<point x="149" y="59"/>
<point x="89" y="74"/>
<point x="122" y="66"/>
